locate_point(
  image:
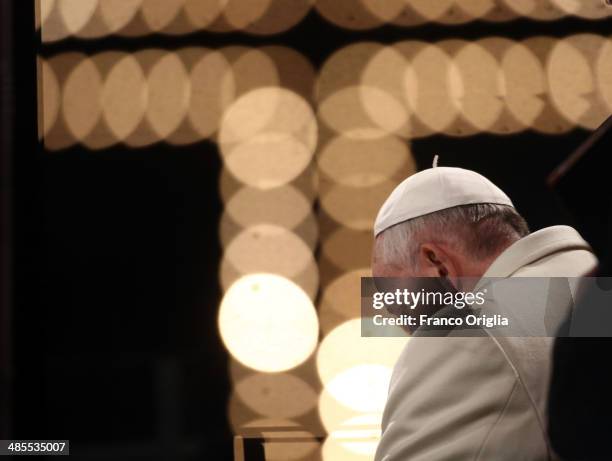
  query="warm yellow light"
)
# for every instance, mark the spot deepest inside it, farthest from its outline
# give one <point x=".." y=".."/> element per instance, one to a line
<point x="338" y="303"/>
<point x="356" y="439"/>
<point x="355" y="207"/>
<point x="362" y="388"/>
<point x="524" y="84"/>
<point x="124" y="97"/>
<point x="276" y="395"/>
<point x="268" y="137"/>
<point x="46" y="6"/>
<point x="345" y="348"/>
<point x="270" y="249"/>
<point x="350" y="14"/>
<point x="268" y="323"/>
<point x="571" y="76"/>
<point x="49" y="99"/>
<point x="76" y="13"/>
<point x="284" y="206"/>
<point x="431" y="11"/>
<point x="429" y="89"/>
<point x="278" y="16"/>
<point x="213" y="89"/>
<point x="366" y="162"/>
<point x="202" y="13"/>
<point x="388" y="106"/>
<point x="348" y="249"/>
<point x="169" y="92"/>
<point x="158" y="14"/>
<point x="604" y="73"/>
<point x="344" y="112"/>
<point x="536" y="9"/>
<point x="81" y="99"/>
<point x="480" y="104"/>
<point x="239" y="15"/>
<point x="116" y="14"/>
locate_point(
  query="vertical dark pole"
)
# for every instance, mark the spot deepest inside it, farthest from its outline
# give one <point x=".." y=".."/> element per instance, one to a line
<point x="6" y="105"/>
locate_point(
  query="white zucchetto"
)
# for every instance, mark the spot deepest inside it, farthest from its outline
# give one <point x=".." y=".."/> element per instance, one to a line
<point x="436" y="189"/>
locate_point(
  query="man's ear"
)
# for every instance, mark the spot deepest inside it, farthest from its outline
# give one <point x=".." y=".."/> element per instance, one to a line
<point x="434" y="261"/>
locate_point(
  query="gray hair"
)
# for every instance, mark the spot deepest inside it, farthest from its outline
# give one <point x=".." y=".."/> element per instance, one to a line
<point x="479" y="230"/>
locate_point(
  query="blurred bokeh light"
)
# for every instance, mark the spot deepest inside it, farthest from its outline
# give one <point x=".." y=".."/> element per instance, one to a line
<point x="308" y="152"/>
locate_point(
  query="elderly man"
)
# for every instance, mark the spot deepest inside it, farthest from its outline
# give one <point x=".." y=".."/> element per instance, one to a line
<point x="478" y="398"/>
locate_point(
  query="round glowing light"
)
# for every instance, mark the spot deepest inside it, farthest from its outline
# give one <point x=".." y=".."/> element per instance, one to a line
<point x="429" y="91"/>
<point x="269" y="110"/>
<point x="279" y="16"/>
<point x="349" y="249"/>
<point x="45" y="8"/>
<point x="268" y="160"/>
<point x="431" y="11"/>
<point x="49" y="100"/>
<point x="572" y="81"/>
<point x="524" y="84"/>
<point x="355" y="439"/>
<point x="356" y="207"/>
<point x="307" y="184"/>
<point x="550" y="121"/>
<point x="202" y="13"/>
<point x="169" y="95"/>
<point x="213" y="89"/>
<point x="385" y="110"/>
<point x="476" y="9"/>
<point x="386" y="11"/>
<point x="159" y="14"/>
<point x="344" y="68"/>
<point x="592" y="9"/>
<point x="367" y="162"/>
<point x="252" y="69"/>
<point x="344" y="349"/>
<point x="59" y="135"/>
<point x="480" y="103"/>
<point x="334" y="415"/>
<point x="81" y="99"/>
<point x="362" y="388"/>
<point x="570" y="7"/>
<point x="340" y="301"/>
<point x="279" y="395"/>
<point x="124" y="97"/>
<point x="76" y="13"/>
<point x="307" y="230"/>
<point x="295" y="71"/>
<point x="284" y="206"/>
<point x="387" y="106"/>
<point x="268" y="137"/>
<point x="344" y="113"/>
<point x="116" y="14"/>
<point x="240" y="14"/>
<point x="269" y="248"/>
<point x="536" y="9"/>
<point x="349" y="14"/>
<point x="268" y="323"/>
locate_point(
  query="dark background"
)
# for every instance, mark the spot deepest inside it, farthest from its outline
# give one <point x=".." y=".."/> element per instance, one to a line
<point x="115" y="253"/>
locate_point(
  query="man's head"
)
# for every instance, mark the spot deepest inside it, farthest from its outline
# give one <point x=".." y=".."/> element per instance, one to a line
<point x="444" y="222"/>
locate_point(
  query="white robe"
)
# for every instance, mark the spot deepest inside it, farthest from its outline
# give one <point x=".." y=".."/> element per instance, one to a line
<point x="481" y="398"/>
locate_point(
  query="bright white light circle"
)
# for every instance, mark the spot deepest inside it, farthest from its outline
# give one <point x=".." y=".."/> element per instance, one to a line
<point x="268" y="323"/>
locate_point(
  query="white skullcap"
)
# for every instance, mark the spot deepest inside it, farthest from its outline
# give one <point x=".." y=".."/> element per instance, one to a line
<point x="436" y="189"/>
